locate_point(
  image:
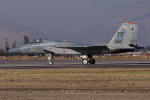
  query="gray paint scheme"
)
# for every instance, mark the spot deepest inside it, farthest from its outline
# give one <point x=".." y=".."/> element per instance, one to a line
<point x="124" y="40"/>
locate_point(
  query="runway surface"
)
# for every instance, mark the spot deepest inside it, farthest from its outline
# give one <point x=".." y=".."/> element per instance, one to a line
<point x="93" y="83"/>
<point x="74" y="64"/>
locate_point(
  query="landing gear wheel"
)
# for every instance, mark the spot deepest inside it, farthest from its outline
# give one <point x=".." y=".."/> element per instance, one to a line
<point x="85" y="61"/>
<point x="51" y="62"/>
<point x="92" y="61"/>
<point x="50" y="59"/>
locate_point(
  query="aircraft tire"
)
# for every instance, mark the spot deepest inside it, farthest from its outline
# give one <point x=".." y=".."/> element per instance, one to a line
<point x="85" y="61"/>
<point x="92" y="61"/>
<point x="51" y="62"/>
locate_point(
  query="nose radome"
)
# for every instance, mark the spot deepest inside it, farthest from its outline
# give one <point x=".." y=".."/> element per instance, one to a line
<point x="13" y="51"/>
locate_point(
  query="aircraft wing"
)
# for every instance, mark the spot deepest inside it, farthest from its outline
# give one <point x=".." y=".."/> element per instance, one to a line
<point x="88" y="49"/>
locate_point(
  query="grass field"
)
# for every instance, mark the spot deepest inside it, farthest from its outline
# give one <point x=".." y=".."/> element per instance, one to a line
<point x="116" y="57"/>
<point x="53" y="84"/>
<point x="76" y="78"/>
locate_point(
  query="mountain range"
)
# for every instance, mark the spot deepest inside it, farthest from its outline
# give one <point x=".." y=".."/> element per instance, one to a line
<point x="91" y="29"/>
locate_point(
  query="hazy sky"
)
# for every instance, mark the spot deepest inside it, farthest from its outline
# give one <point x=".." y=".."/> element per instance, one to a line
<point x="48" y="13"/>
<point x="67" y="17"/>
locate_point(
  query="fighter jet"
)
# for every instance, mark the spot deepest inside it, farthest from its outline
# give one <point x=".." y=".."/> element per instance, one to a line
<point x="124" y="40"/>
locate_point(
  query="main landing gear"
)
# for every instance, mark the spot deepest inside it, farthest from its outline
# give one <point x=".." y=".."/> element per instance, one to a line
<point x="88" y="60"/>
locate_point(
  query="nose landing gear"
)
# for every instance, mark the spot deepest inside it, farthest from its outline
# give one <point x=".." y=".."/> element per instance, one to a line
<point x="50" y="59"/>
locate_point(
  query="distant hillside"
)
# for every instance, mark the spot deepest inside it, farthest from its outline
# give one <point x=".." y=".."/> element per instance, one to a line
<point x="11" y="32"/>
<point x="101" y="31"/>
<point x="140" y="13"/>
<point x="15" y="32"/>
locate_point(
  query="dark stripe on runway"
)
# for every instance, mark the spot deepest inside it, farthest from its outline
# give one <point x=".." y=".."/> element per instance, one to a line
<point x="72" y="64"/>
<point x="76" y="66"/>
<point x="81" y="90"/>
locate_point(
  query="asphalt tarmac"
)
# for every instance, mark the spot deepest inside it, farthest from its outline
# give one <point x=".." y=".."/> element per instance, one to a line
<point x="74" y="64"/>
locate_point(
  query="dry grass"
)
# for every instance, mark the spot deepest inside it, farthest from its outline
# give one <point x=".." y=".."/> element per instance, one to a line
<point x="73" y="78"/>
<point x="42" y="84"/>
<point x="22" y="58"/>
<point x="123" y="57"/>
<point x="33" y="58"/>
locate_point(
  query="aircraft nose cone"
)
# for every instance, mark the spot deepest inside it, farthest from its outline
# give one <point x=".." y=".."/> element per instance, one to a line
<point x="14" y="51"/>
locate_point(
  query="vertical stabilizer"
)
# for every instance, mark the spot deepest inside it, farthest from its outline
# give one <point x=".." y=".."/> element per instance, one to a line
<point x="125" y="36"/>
